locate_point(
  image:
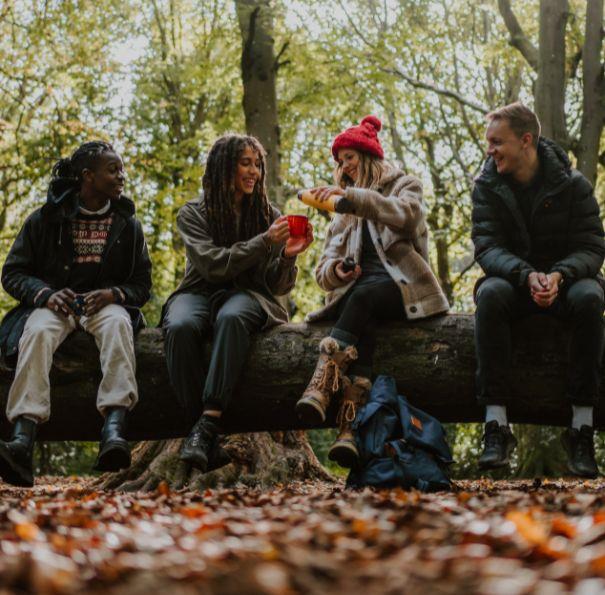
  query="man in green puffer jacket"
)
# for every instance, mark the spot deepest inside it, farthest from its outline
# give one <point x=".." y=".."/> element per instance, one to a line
<point x="539" y="240"/>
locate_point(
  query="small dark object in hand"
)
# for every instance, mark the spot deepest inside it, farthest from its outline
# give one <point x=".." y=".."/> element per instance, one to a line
<point x="348" y="264"/>
<point x="78" y="305"/>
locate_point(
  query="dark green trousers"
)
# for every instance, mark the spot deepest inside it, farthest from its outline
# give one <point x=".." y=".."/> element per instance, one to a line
<point x="192" y="319"/>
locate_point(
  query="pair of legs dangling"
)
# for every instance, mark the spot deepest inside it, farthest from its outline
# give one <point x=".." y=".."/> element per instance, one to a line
<point x="232" y="317"/>
<point x="345" y="361"/>
<point x="499" y="304"/>
<point x="29" y="396"/>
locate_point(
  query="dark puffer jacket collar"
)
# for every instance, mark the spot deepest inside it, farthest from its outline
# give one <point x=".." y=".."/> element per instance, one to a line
<point x="555" y="163"/>
<point x="62" y="202"/>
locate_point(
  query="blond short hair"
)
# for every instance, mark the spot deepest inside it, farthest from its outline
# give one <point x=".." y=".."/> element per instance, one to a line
<point x="520" y="118"/>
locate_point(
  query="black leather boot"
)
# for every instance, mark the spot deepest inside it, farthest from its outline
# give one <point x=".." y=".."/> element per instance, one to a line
<point x="198" y="446"/>
<point x="114" y="451"/>
<point x="579" y="446"/>
<point x="498" y="445"/>
<point x="218" y="456"/>
<point x="16" y="456"/>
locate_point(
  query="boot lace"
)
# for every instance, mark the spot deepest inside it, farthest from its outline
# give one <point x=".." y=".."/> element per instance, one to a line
<point x="327" y="377"/>
<point x="346" y="413"/>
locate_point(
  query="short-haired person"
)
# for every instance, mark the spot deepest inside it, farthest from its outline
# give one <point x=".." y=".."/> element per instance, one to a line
<point x="539" y="240"/>
<point x="80" y="261"/>
<point x="381" y="224"/>
<point x="241" y="264"/>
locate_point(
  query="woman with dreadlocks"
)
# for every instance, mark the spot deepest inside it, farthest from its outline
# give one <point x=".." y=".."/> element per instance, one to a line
<point x="80" y="261"/>
<point x="241" y="263"/>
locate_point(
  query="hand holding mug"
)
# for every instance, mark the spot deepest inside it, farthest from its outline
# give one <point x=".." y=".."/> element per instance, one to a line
<point x="297" y="244"/>
<point x="278" y="231"/>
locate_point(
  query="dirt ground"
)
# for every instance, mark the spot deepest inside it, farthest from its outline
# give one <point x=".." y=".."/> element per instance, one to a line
<point x="491" y="537"/>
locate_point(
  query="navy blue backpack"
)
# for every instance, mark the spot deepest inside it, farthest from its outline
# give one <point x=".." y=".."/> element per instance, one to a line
<point x="399" y="445"/>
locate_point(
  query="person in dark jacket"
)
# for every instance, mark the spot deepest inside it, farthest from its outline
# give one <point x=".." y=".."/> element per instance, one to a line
<point x="80" y="261"/>
<point x="539" y="239"/>
<point x="241" y="264"/>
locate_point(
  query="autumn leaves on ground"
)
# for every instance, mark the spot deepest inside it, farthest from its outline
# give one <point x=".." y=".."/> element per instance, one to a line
<point x="485" y="537"/>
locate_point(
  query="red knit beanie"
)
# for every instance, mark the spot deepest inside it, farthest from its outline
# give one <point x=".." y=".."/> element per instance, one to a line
<point x="361" y="138"/>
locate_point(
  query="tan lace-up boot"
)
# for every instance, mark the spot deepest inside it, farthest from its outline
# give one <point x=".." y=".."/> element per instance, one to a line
<point x="344" y="450"/>
<point x="326" y="380"/>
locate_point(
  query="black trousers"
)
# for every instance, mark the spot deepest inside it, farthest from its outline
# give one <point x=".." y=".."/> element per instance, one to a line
<point x="360" y="309"/>
<point x="499" y="304"/>
<point x="189" y="321"/>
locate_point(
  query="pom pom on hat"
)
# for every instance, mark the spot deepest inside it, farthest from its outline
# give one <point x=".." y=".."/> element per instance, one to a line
<point x="372" y="121"/>
<point x="363" y="137"/>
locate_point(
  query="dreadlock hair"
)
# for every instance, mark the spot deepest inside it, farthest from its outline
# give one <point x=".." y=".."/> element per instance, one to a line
<point x="219" y="188"/>
<point x="84" y="157"/>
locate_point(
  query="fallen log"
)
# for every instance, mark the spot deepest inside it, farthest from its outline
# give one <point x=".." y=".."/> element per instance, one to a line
<point x="432" y="360"/>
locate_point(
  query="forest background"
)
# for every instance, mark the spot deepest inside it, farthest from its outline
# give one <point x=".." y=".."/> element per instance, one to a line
<point x="162" y="79"/>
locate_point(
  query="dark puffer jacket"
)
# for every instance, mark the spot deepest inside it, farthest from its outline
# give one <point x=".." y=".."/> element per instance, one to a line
<point x="565" y="232"/>
<point x="40" y="260"/>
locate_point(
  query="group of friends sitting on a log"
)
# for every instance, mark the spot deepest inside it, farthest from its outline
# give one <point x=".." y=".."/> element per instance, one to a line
<point x="81" y="262"/>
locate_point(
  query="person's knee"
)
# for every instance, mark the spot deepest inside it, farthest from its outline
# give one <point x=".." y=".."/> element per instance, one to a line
<point x="360" y="299"/>
<point x="38" y="331"/>
<point x="586" y="299"/>
<point x="230" y="318"/>
<point x="182" y="327"/>
<point x="494" y="295"/>
<point x="117" y="320"/>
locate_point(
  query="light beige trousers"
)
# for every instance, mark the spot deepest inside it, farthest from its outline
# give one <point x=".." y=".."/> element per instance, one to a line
<point x="44" y="331"/>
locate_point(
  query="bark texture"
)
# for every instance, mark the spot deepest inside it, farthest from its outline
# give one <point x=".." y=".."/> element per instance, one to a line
<point x="433" y="362"/>
<point x="259" y="66"/>
<point x="258" y="459"/>
<point x="550" y="87"/>
<point x="554" y="68"/>
<point x="593" y="88"/>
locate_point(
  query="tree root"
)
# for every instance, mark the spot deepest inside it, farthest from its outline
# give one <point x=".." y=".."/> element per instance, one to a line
<point x="259" y="459"/>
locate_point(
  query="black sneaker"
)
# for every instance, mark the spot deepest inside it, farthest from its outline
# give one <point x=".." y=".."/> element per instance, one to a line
<point x="498" y="445"/>
<point x="579" y="446"/>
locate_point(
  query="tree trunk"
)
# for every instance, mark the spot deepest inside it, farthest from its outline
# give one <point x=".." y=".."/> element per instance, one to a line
<point x="549" y="62"/>
<point x="550" y="87"/>
<point x="540" y="453"/>
<point x="259" y="73"/>
<point x="593" y="102"/>
<point x="433" y="362"/>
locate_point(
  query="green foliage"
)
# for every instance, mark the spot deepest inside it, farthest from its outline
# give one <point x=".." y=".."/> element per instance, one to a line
<point x="65" y="458"/>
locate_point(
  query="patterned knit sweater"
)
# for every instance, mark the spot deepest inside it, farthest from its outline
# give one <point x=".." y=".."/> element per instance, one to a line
<point x="90" y="230"/>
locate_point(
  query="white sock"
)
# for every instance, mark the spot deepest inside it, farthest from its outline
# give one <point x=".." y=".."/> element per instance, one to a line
<point x="582" y="416"/>
<point x="497" y="413"/>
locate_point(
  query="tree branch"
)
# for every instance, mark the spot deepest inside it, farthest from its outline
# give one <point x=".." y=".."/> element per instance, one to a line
<point x="518" y="39"/>
<point x="439" y="90"/>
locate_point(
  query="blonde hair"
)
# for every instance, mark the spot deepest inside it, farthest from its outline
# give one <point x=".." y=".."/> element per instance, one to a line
<point x="371" y="172"/>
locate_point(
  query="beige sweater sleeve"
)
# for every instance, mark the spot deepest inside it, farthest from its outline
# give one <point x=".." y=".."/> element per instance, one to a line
<point x="216" y="263"/>
<point x="332" y="254"/>
<point x="402" y="210"/>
